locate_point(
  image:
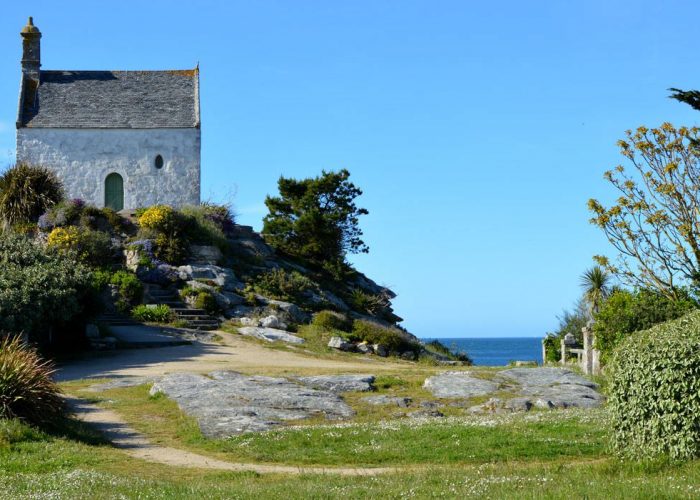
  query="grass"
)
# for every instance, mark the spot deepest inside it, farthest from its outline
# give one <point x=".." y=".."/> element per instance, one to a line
<point x="559" y="454"/>
<point x="36" y="464"/>
<point x="373" y="440"/>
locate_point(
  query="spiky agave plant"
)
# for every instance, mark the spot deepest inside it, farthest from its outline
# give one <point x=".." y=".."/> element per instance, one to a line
<point x="26" y="388"/>
<point x="26" y="192"/>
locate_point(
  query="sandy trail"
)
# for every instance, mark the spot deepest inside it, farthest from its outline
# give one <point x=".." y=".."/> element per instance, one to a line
<point x="136" y="445"/>
<point x="235" y="354"/>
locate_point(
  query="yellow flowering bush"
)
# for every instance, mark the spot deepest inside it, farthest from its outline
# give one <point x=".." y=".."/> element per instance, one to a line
<point x="157" y="217"/>
<point x="93" y="247"/>
<point x="64" y="238"/>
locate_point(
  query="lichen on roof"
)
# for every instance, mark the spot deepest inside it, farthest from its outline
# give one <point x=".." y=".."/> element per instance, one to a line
<point x="113" y="99"/>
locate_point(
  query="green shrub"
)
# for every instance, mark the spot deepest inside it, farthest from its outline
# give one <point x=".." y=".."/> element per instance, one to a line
<point x="372" y="333"/>
<point x="331" y="320"/>
<point x="26" y="192"/>
<point x="654" y="391"/>
<point x="39" y="288"/>
<point x="160" y="313"/>
<point x="168" y="230"/>
<point x="27" y="390"/>
<point x="204" y="229"/>
<point x="206" y="301"/>
<point x="439" y="348"/>
<point x="100" y="278"/>
<point x="188" y="291"/>
<point x="93" y="247"/>
<point x="552" y="346"/>
<point x="282" y="285"/>
<point x="625" y="312"/>
<point x="130" y="289"/>
<point x="367" y="303"/>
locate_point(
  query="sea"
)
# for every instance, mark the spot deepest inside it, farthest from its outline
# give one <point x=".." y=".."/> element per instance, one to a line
<point x="497" y="351"/>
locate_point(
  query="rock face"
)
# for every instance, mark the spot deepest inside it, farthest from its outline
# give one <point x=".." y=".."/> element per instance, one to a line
<point x="228" y="403"/>
<point x="536" y="387"/>
<point x="270" y="334"/>
<point x="383" y="399"/>
<point x="555" y="387"/>
<point x="459" y="385"/>
<point x="341" y="344"/>
<point x="219" y="276"/>
<point x="340" y="383"/>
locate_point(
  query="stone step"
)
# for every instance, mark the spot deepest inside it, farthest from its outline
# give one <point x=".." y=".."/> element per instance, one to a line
<point x="185" y="311"/>
<point x="203" y="322"/>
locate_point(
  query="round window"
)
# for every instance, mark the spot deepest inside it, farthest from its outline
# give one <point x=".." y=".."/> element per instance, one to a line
<point x="159" y="161"/>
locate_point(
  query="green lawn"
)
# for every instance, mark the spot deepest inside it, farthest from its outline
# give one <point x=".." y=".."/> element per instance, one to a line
<point x="70" y="464"/>
<point x="560" y="454"/>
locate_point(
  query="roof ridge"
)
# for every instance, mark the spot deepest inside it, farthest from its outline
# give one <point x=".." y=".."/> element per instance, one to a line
<point x="118" y="70"/>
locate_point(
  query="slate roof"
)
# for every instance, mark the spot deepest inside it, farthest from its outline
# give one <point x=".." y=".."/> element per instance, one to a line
<point x="111" y="99"/>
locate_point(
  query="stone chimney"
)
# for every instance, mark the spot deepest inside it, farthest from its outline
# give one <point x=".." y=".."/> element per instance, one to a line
<point x="31" y="50"/>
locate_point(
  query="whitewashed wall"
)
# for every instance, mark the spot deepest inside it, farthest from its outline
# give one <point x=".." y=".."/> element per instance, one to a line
<point x="83" y="158"/>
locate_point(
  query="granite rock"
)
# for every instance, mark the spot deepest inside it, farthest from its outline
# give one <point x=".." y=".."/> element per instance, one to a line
<point x="229" y="403"/>
<point x="340" y="383"/>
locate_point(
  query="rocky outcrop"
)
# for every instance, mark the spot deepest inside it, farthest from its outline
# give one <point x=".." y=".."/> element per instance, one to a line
<point x="229" y="403"/>
<point x="383" y="399"/>
<point x="270" y="334"/>
<point x="340" y="383"/>
<point x="459" y="385"/>
<point x="545" y="388"/>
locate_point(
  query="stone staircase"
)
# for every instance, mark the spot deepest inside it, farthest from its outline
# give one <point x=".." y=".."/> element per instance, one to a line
<point x="197" y="319"/>
<point x="116" y="319"/>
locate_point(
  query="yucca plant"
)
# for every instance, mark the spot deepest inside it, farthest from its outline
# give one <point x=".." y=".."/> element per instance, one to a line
<point x="26" y="388"/>
<point x="26" y="192"/>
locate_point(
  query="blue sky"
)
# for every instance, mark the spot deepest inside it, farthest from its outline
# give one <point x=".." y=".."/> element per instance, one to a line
<point x="477" y="130"/>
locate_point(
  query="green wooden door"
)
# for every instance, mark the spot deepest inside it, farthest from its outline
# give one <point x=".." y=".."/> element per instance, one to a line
<point x="114" y="192"/>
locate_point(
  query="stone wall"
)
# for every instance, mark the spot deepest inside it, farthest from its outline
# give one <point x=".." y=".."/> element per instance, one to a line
<point x="83" y="158"/>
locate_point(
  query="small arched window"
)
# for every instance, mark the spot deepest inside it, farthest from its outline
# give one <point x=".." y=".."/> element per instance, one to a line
<point x="159" y="161"/>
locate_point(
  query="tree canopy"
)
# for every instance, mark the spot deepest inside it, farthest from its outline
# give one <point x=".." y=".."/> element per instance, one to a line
<point x="316" y="218"/>
<point x="655" y="222"/>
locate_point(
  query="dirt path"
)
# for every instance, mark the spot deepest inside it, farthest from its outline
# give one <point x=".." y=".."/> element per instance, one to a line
<point x="236" y="354"/>
<point x="136" y="445"/>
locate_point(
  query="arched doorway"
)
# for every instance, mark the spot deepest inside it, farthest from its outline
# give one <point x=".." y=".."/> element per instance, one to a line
<point x="114" y="192"/>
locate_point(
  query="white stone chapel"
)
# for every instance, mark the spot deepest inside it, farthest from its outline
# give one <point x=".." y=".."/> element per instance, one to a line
<point x="121" y="139"/>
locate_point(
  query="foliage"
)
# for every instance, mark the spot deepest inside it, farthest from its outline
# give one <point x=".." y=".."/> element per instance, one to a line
<point x="130" y="289"/>
<point x="39" y="288"/>
<point x="76" y="213"/>
<point x="655" y="223"/>
<point x="331" y="320"/>
<point x="205" y="300"/>
<point x="596" y="287"/>
<point x="280" y="284"/>
<point x="654" y="391"/>
<point x="172" y="231"/>
<point x="161" y="218"/>
<point x="26" y="192"/>
<point x="27" y="390"/>
<point x="367" y="303"/>
<point x="188" y="291"/>
<point x="99" y="279"/>
<point x="438" y="347"/>
<point x="205" y="225"/>
<point x="160" y="313"/>
<point x="168" y="229"/>
<point x="630" y="311"/>
<point x="220" y="215"/>
<point x="552" y="348"/>
<point x="93" y="247"/>
<point x="572" y="321"/>
<point x="315" y="218"/>
<point x="373" y="333"/>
